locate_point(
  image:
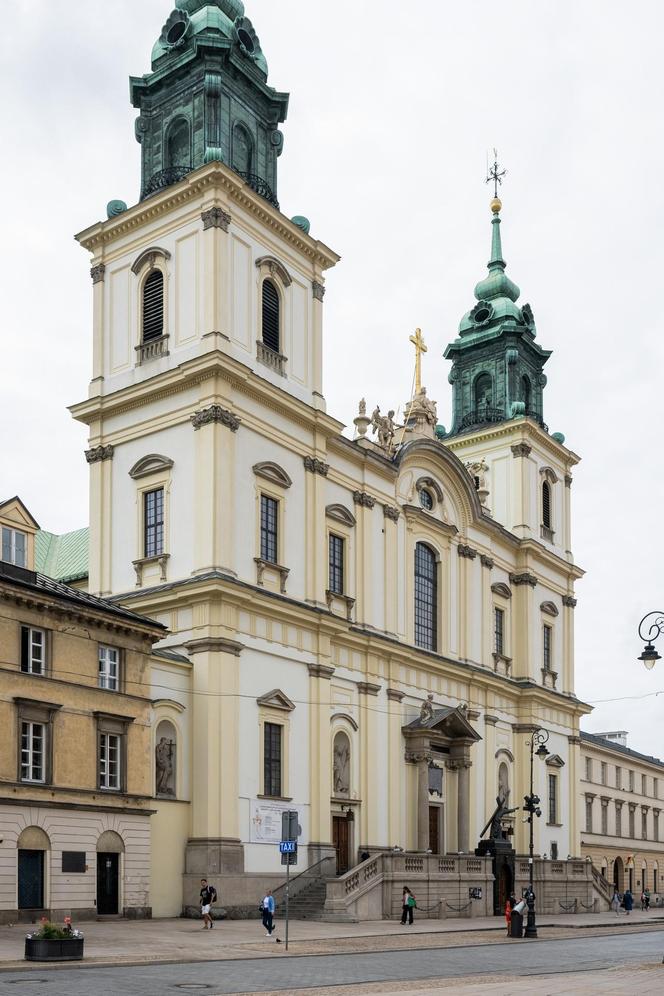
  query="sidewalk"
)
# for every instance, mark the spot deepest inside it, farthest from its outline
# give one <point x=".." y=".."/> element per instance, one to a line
<point x="144" y="942"/>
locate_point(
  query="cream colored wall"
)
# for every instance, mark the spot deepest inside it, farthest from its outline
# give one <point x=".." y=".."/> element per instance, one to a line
<point x="170" y="829"/>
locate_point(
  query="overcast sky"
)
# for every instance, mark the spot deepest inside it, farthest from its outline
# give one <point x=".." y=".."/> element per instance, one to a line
<point x="393" y="107"/>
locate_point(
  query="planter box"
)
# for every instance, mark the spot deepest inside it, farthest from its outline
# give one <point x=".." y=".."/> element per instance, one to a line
<point x="40" y="949"/>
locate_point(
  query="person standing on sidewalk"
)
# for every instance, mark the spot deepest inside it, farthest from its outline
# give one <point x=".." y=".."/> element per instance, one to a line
<point x="615" y="902"/>
<point x="268" y="913"/>
<point x="208" y="897"/>
<point x="407" y="906"/>
<point x="509" y="906"/>
<point x="628" y="902"/>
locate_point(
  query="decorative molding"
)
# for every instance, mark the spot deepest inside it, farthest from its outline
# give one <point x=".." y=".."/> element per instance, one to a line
<point x="549" y="677"/>
<point x="490" y="720"/>
<point x="275" y="269"/>
<point x="318" y="291"/>
<point x="348" y="602"/>
<point x="272" y="472"/>
<point x="555" y="761"/>
<point x="152" y="349"/>
<point x="346" y="717"/>
<point x="550" y="474"/>
<point x="143" y="562"/>
<point x="473" y="714"/>
<point x="487" y="561"/>
<point x="367" y="688"/>
<point x="214" y="645"/>
<point x="265" y="565"/>
<point x="153" y="464"/>
<point x="572" y="739"/>
<point x="550" y="608"/>
<point x="569" y="601"/>
<point x="521" y="450"/>
<point x="216" y="217"/>
<point x="391" y="512"/>
<point x="394" y="695"/>
<point x="270" y="358"/>
<point x="568" y="480"/>
<point x="99" y="453"/>
<point x="149" y="257"/>
<point x="466" y="551"/>
<point x="524" y="577"/>
<point x="276" y="699"/>
<point x="502" y="664"/>
<point x="340" y="514"/>
<point x="98" y="273"/>
<point x="499" y="588"/>
<point x="525" y="727"/>
<point x="316" y="466"/>
<point x="363" y="499"/>
<point x="320" y="671"/>
<point x="416" y="756"/>
<point x="215" y="413"/>
<point x="429" y="482"/>
<point x="504" y="750"/>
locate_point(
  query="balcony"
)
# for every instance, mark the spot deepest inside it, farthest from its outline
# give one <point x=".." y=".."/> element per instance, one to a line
<point x="260" y="187"/>
<point x="165" y="178"/>
<point x="269" y="358"/>
<point x="485" y="415"/>
<point x="152" y="349"/>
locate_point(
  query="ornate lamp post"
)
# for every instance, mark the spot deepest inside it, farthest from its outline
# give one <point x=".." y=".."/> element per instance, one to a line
<point x="650" y="628"/>
<point x="538" y="739"/>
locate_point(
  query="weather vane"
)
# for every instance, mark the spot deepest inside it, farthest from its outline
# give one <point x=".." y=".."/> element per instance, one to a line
<point x="495" y="174"/>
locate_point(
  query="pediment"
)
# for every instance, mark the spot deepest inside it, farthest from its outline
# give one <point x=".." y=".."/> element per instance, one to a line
<point x="149" y="257"/>
<point x="448" y="722"/>
<point x="555" y="761"/>
<point x="152" y="464"/>
<point x="340" y="514"/>
<point x="549" y="474"/>
<point x="499" y="588"/>
<point x="15" y="512"/>
<point x="274" y="473"/>
<point x="276" y="699"/>
<point x="275" y="269"/>
<point x="550" y="608"/>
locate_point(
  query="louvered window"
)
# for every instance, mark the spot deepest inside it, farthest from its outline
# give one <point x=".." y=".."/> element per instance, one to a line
<point x="271" y="316"/>
<point x="153" y="306"/>
<point x="546" y="505"/>
<point x="426" y="598"/>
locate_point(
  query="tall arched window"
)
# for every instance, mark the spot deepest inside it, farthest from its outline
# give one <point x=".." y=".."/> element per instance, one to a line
<point x="525" y="393"/>
<point x="271" y="316"/>
<point x="153" y="306"/>
<point x="484" y="391"/>
<point x="178" y="144"/>
<point x="546" y="505"/>
<point x="426" y="597"/>
<point x="242" y="149"/>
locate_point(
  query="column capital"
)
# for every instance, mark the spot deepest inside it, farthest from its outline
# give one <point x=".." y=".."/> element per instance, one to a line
<point x="569" y="601"/>
<point x="98" y="273"/>
<point x="215" y="413"/>
<point x="214" y="644"/>
<point x="216" y="217"/>
<point x="487" y="562"/>
<point x="418" y="756"/>
<point x="367" y="688"/>
<point x="523" y="577"/>
<point x="521" y="450"/>
<point x="320" y="671"/>
<point x="318" y="290"/>
<point x="99" y="453"/>
<point x="316" y="466"/>
<point x="363" y="499"/>
<point x="394" y="695"/>
<point x="391" y="512"/>
<point x="466" y="551"/>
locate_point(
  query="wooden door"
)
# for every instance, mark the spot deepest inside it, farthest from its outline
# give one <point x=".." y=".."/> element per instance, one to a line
<point x="434" y="829"/>
<point x="341" y="841"/>
<point x="30" y="880"/>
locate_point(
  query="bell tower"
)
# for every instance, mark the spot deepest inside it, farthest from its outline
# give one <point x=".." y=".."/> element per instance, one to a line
<point x="207" y="99"/>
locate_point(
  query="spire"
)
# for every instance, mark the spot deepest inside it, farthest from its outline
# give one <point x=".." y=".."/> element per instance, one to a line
<point x="497" y="284"/>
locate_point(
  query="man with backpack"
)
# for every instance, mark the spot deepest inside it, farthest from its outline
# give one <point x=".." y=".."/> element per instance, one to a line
<point x="208" y="897"/>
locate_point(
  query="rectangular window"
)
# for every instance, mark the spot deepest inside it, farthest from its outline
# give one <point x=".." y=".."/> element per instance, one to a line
<point x="33" y="742"/>
<point x="109" y="761"/>
<point x="644" y="784"/>
<point x="605" y="818"/>
<point x="269" y="529"/>
<point x="153" y="523"/>
<point x="589" y="816"/>
<point x="603" y="772"/>
<point x="655" y="826"/>
<point x="655" y="788"/>
<point x="618" y="777"/>
<point x="589" y="769"/>
<point x="272" y="736"/>
<point x="618" y="820"/>
<point x="632" y="832"/>
<point x="109" y="668"/>
<point x="499" y="631"/>
<point x="336" y="580"/>
<point x="553" y="799"/>
<point x="644" y="824"/>
<point x="631" y="781"/>
<point x="546" y="647"/>
<point x="33" y="650"/>
<point x="14" y="547"/>
<point x="554" y="850"/>
<point x="426" y="597"/>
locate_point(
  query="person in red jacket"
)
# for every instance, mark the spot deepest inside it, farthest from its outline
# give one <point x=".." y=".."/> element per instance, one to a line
<point x="509" y="906"/>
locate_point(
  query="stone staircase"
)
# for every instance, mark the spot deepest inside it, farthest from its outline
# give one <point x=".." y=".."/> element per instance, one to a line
<point x="308" y="903"/>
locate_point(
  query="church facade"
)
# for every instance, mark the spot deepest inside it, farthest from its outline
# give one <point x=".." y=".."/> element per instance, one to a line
<point x="366" y="630"/>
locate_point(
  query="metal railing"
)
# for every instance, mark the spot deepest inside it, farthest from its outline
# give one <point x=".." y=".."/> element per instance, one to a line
<point x="165" y="178"/>
<point x="299" y="882"/>
<point x="259" y="186"/>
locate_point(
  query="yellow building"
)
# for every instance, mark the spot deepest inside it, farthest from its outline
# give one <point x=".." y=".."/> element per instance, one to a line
<point x="75" y="740"/>
<point x="621" y="795"/>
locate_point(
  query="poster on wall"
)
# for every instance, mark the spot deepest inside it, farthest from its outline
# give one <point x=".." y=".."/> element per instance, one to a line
<point x="265" y="820"/>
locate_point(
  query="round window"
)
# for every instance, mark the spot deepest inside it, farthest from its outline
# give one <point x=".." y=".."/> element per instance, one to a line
<point x="482" y="315"/>
<point x="246" y="39"/>
<point x="426" y="499"/>
<point x="177" y="32"/>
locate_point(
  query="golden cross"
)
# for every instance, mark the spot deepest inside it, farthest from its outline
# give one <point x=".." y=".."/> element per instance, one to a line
<point x="420" y="347"/>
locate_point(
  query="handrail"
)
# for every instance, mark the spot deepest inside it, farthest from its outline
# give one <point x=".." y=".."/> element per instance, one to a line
<point x="294" y="878"/>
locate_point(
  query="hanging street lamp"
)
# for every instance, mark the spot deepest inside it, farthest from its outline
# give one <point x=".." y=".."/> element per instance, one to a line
<point x="650" y="628"/>
<point x="538" y="739"/>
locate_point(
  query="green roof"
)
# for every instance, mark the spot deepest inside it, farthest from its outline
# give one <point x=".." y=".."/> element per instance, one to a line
<point x="65" y="557"/>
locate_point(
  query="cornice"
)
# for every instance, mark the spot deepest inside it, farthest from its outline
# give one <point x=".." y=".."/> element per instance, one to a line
<point x="522" y="430"/>
<point x="211" y="177"/>
<point x="320" y="671"/>
<point x="215" y="644"/>
<point x="368" y="688"/>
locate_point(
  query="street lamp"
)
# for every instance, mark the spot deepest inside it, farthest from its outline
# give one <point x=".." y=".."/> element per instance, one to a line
<point x="649" y="631"/>
<point x="538" y="739"/>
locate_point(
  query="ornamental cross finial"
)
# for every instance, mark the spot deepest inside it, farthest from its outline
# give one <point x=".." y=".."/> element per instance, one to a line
<point x="495" y="174"/>
<point x="420" y="347"/>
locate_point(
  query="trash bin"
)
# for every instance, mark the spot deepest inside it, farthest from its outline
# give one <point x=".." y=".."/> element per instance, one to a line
<point x="516" y="924"/>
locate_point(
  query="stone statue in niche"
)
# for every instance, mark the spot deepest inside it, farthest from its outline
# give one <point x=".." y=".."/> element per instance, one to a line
<point x="341" y="766"/>
<point x="478" y="471"/>
<point x="165" y="767"/>
<point x="426" y="710"/>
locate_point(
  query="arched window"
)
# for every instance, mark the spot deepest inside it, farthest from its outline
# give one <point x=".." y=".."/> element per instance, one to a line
<point x="546" y="505"/>
<point x="178" y="144"/>
<point x="165" y="755"/>
<point x="483" y="391"/>
<point x="525" y="393"/>
<point x="242" y="150"/>
<point x="341" y="769"/>
<point x="426" y="597"/>
<point x="153" y="306"/>
<point x="271" y="316"/>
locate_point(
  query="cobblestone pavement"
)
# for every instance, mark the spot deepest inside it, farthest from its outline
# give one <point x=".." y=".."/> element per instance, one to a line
<point x="506" y="967"/>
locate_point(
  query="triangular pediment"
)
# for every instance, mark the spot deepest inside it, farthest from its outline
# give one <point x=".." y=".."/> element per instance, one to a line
<point x="555" y="761"/>
<point x="276" y="699"/>
<point x="15" y="513"/>
<point x="448" y="722"/>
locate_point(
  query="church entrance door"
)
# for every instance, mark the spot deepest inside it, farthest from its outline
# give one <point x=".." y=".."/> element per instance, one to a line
<point x="435" y="821"/>
<point x="341" y="842"/>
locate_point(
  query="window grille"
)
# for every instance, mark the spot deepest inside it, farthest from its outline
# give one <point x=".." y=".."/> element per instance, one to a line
<point x="499" y="631"/>
<point x="271" y="316"/>
<point x="269" y="529"/>
<point x="153" y="306"/>
<point x="546" y="505"/>
<point x="272" y="736"/>
<point x="153" y="509"/>
<point x="426" y="597"/>
<point x="336" y="557"/>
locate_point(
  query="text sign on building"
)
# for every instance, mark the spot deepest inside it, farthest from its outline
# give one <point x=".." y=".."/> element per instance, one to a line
<point x="265" y="822"/>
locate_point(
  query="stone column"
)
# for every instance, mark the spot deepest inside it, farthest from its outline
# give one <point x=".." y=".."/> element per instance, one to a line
<point x="318" y="293"/>
<point x="368" y="760"/>
<point x="216" y="288"/>
<point x="364" y="504"/>
<point x="101" y="511"/>
<point x="569" y="603"/>
<point x="523" y="625"/>
<point x="463" y="810"/>
<point x="391" y="567"/>
<point x="320" y="762"/>
<point x="396" y="829"/>
<point x="521" y="509"/>
<point x="423" y="802"/>
<point x="214" y="440"/>
<point x="568" y="518"/>
<point x="98" y="274"/>
<point x="466" y="555"/>
<point x="316" y="579"/>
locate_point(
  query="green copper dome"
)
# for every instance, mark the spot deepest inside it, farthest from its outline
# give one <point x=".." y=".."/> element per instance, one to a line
<point x="233" y="8"/>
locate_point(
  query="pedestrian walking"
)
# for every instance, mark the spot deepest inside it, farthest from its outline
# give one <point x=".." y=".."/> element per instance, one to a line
<point x="408" y="904"/>
<point x="646" y="896"/>
<point x="642" y="900"/>
<point x="268" y="907"/>
<point x="628" y="902"/>
<point x="509" y="906"/>
<point x="208" y="897"/>
<point x="615" y="902"/>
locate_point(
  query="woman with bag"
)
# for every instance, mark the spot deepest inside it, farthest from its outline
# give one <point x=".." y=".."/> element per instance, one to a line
<point x="408" y="904"/>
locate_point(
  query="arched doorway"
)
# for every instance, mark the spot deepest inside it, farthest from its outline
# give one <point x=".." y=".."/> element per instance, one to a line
<point x="33" y="846"/>
<point x="619" y="875"/>
<point x="110" y="848"/>
<point x="505" y="886"/>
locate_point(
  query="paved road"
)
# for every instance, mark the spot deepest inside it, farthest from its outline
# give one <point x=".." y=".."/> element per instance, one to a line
<point x="288" y="974"/>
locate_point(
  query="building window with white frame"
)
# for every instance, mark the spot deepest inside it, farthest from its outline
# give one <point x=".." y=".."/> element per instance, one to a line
<point x="632" y="831"/>
<point x="618" y="777"/>
<point x="631" y="781"/>
<point x="618" y="819"/>
<point x="153" y="306"/>
<point x="14" y="547"/>
<point x="499" y="631"/>
<point x="644" y="784"/>
<point x="644" y="824"/>
<point x="153" y="523"/>
<point x="655" y="824"/>
<point x="33" y="752"/>
<point x="33" y="650"/>
<point x="655" y="788"/>
<point x="553" y="799"/>
<point x="110" y="760"/>
<point x="109" y="668"/>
